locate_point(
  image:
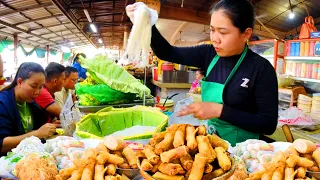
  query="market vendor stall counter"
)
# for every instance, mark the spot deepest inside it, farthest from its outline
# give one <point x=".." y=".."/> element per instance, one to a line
<point x="168" y="89"/>
<point x="278" y="135"/>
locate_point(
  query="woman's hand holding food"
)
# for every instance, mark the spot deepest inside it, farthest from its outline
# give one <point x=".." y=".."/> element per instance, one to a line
<point x="130" y="11"/>
<point x="46" y="130"/>
<point x="202" y="110"/>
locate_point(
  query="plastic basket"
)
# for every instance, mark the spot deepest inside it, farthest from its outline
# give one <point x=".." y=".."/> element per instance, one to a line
<point x="110" y="120"/>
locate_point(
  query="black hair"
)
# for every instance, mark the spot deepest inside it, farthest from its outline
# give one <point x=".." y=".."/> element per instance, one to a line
<point x="78" y="57"/>
<point x="54" y="70"/>
<point x="202" y="72"/>
<point x="240" y="12"/>
<point x="24" y="72"/>
<point x="70" y="70"/>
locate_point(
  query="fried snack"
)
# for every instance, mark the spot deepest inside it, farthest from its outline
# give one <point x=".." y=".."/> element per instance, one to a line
<point x="304" y="146"/>
<point x="129" y="154"/>
<point x="316" y="156"/>
<point x="114" y="143"/>
<point x="66" y="173"/>
<point x="151" y="155"/>
<point x="161" y="176"/>
<point x="279" y="157"/>
<point x="186" y="162"/>
<point x="205" y="148"/>
<point x="89" y="152"/>
<point x="290" y="150"/>
<point x="308" y="156"/>
<point x="216" y="141"/>
<point x="314" y="169"/>
<point x="279" y="172"/>
<point x="140" y="154"/>
<point x="198" y="166"/>
<point x="155" y="167"/>
<point x="80" y="163"/>
<point x="191" y="137"/>
<point x="99" y="172"/>
<point x="158" y="137"/>
<point x="292" y="160"/>
<point x="257" y="175"/>
<point x="223" y="159"/>
<point x="289" y="173"/>
<point x="76" y="175"/>
<point x="214" y="174"/>
<point x="301" y="172"/>
<point x="101" y="147"/>
<point x="267" y="176"/>
<point x="104" y="157"/>
<point x="202" y="130"/>
<point x="173" y="128"/>
<point x="212" y="151"/>
<point x="146" y="165"/>
<point x="172" y="154"/>
<point x="88" y="172"/>
<point x="179" y="136"/>
<point x="111" y="169"/>
<point x="208" y="168"/>
<point x="109" y="177"/>
<point x="170" y="169"/>
<point x="304" y="162"/>
<point x="118" y="153"/>
<point x="165" y="144"/>
<point x="176" y="161"/>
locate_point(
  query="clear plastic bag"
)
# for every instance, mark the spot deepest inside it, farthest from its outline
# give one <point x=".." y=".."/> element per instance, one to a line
<point x="189" y="119"/>
<point x="297" y="118"/>
<point x="69" y="116"/>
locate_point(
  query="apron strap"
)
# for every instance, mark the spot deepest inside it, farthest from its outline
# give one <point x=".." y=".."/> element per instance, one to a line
<point x="237" y="65"/>
<point x="212" y="64"/>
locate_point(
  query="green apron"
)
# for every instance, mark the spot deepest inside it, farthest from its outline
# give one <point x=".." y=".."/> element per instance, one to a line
<point x="213" y="92"/>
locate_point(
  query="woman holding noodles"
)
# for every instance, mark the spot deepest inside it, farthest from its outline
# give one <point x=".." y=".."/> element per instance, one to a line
<point x="240" y="90"/>
<point x="20" y="117"/>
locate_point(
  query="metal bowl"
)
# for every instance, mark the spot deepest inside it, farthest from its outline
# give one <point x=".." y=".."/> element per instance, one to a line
<point x="313" y="174"/>
<point x="130" y="173"/>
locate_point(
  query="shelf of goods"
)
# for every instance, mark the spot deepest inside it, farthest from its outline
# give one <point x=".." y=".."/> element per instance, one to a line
<point x="302" y="59"/>
<point x="272" y="50"/>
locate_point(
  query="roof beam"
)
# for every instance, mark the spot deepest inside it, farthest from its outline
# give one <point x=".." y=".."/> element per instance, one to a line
<point x="61" y="33"/>
<point x="24" y="31"/>
<point x="26" y="9"/>
<point x="38" y="19"/>
<point x="45" y="27"/>
<point x="72" y="19"/>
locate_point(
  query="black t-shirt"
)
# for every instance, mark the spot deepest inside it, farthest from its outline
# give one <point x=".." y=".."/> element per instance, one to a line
<point x="251" y="96"/>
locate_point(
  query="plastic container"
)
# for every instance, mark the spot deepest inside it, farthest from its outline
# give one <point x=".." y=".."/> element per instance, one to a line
<point x="309" y="71"/>
<point x="306" y="48"/>
<point x="302" y="48"/>
<point x="168" y="106"/>
<point x="303" y="70"/>
<point x="311" y="48"/>
<point x="155" y="73"/>
<point x="314" y="71"/>
<point x="167" y="67"/>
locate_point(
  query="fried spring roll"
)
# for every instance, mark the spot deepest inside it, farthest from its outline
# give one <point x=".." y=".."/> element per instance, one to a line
<point x="111" y="169"/>
<point x="257" y="175"/>
<point x="304" y="162"/>
<point x="170" y="169"/>
<point x="89" y="152"/>
<point x="114" y="143"/>
<point x="88" y="172"/>
<point x="140" y="154"/>
<point x="151" y="155"/>
<point x="101" y="147"/>
<point x="146" y="165"/>
<point x="191" y="137"/>
<point x="202" y="130"/>
<point x="155" y="167"/>
<point x="99" y="172"/>
<point x="316" y="156"/>
<point x="223" y="159"/>
<point x="214" y="174"/>
<point x="208" y="168"/>
<point x="109" y="177"/>
<point x="301" y="172"/>
<point x="161" y="176"/>
<point x="76" y="175"/>
<point x="198" y="166"/>
<point x="216" y="141"/>
<point x="279" y="172"/>
<point x="289" y="173"/>
<point x="179" y="136"/>
<point x="186" y="162"/>
<point x="165" y="144"/>
<point x="66" y="173"/>
<point x="172" y="154"/>
<point x="173" y="128"/>
<point x="267" y="176"/>
<point x="104" y="157"/>
<point x="290" y="150"/>
<point x="205" y="148"/>
<point x="158" y="137"/>
<point x="129" y="154"/>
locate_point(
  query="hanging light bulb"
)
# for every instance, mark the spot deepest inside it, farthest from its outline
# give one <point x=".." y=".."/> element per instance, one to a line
<point x="291" y="15"/>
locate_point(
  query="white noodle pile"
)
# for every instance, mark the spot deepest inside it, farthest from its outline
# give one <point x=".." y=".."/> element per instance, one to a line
<point x="140" y="37"/>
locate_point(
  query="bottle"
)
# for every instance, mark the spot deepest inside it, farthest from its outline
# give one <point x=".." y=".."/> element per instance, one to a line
<point x="302" y="48"/>
<point x="306" y="48"/>
<point x="311" y="48"/>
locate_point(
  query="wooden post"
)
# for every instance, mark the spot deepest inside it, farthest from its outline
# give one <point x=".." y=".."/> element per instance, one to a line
<point x="62" y="58"/>
<point x="15" y="45"/>
<point x="48" y="52"/>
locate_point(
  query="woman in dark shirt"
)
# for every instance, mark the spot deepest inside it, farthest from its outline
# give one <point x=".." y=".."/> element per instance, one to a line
<point x="240" y="90"/>
<point x="20" y="116"/>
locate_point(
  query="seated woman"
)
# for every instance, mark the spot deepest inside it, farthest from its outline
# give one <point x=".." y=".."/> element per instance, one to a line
<point x="20" y="116"/>
<point x="196" y="83"/>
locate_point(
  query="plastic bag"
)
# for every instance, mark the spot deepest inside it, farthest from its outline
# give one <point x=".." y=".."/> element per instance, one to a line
<point x="297" y="118"/>
<point x="69" y="116"/>
<point x="93" y="95"/>
<point x="189" y="119"/>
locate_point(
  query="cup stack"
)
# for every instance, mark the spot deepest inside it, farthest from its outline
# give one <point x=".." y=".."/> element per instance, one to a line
<point x="315" y="109"/>
<point x="304" y="103"/>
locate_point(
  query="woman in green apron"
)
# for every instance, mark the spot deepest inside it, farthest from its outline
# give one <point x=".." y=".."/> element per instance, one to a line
<point x="240" y="90"/>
